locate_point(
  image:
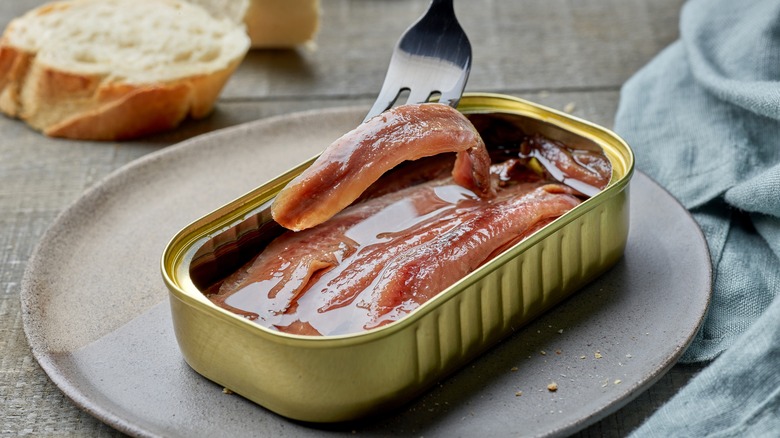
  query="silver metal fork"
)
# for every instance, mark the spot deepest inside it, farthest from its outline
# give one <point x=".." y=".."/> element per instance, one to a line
<point x="432" y="57"/>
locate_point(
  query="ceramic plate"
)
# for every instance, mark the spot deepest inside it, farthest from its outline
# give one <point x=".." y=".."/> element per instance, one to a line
<point x="97" y="318"/>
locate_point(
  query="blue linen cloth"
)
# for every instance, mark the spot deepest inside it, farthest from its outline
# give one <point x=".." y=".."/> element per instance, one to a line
<point x="704" y="121"/>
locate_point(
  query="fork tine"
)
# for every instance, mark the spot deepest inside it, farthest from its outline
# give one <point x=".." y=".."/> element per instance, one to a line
<point x="419" y="95"/>
<point x="389" y="92"/>
<point x="452" y="96"/>
<point x="383" y="102"/>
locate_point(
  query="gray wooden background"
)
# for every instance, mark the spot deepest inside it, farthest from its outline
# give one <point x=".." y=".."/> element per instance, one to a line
<point x="567" y="54"/>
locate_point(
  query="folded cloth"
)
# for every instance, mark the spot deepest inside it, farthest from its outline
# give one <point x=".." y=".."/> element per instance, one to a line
<point x="704" y="121"/>
<point x="737" y="396"/>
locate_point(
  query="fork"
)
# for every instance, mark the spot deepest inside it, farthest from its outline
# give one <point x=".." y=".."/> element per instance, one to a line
<point x="432" y="57"/>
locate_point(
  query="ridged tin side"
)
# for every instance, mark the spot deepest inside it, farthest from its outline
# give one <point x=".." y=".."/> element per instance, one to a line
<point x="523" y="286"/>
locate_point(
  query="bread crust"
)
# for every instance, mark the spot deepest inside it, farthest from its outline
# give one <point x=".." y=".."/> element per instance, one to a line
<point x="73" y="105"/>
<point x="139" y="112"/>
<point x="13" y="70"/>
<point x="125" y="111"/>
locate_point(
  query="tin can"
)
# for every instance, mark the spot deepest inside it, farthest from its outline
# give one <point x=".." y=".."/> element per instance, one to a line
<point x="340" y="378"/>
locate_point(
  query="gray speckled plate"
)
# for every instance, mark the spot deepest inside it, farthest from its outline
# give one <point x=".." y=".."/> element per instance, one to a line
<point x="97" y="317"/>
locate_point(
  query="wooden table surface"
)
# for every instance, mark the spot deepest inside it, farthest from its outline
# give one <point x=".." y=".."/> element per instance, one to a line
<point x="567" y="54"/>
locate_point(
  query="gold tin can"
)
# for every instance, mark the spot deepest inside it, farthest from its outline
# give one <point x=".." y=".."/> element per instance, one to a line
<point x="339" y="378"/>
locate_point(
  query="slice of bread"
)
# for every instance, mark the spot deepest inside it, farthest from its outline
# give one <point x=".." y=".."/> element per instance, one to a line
<point x="270" y="23"/>
<point x="115" y="69"/>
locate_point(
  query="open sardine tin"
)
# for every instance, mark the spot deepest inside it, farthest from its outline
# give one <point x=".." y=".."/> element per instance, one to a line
<point x="339" y="378"/>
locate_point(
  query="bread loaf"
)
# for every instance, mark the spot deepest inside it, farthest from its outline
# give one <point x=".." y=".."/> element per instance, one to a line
<point x="115" y="69"/>
<point x="270" y="23"/>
